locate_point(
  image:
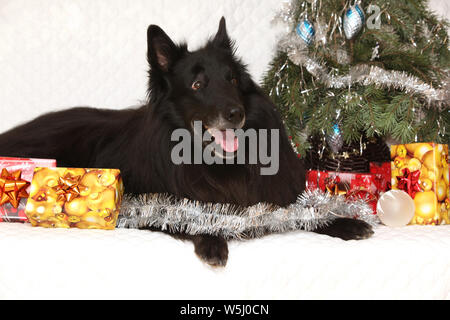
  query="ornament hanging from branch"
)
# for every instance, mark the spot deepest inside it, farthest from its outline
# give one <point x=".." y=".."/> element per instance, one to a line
<point x="335" y="141"/>
<point x="353" y="21"/>
<point x="305" y="30"/>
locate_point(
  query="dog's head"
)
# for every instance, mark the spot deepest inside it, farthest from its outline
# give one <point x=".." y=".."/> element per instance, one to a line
<point x="206" y="85"/>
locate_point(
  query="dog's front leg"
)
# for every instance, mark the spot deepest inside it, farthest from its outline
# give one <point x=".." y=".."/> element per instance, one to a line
<point x="211" y="249"/>
<point x="347" y="229"/>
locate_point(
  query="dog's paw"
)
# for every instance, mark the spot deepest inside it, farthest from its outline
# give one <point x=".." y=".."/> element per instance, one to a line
<point x="212" y="250"/>
<point x="347" y="229"/>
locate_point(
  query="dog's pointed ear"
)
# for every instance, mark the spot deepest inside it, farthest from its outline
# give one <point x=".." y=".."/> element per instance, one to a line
<point x="221" y="39"/>
<point x="161" y="51"/>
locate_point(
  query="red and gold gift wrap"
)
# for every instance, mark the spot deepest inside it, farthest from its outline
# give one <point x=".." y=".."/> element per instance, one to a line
<point x="421" y="170"/>
<point x="382" y="173"/>
<point x="15" y="179"/>
<point x="349" y="184"/>
<point x="75" y="197"/>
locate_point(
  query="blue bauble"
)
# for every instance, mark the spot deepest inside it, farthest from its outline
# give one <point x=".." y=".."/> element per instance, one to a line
<point x="335" y="140"/>
<point x="305" y="30"/>
<point x="353" y="21"/>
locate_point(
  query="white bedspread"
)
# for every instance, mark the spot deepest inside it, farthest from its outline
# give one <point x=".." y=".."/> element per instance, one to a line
<point x="411" y="262"/>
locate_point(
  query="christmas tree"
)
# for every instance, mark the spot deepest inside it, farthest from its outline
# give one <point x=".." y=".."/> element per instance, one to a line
<point x="347" y="73"/>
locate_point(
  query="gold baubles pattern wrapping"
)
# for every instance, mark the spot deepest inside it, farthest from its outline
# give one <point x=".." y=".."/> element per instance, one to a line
<point x="431" y="160"/>
<point x="75" y="197"/>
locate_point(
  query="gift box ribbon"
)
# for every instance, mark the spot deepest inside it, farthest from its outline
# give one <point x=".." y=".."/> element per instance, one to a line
<point x="69" y="187"/>
<point x="409" y="182"/>
<point x="12" y="187"/>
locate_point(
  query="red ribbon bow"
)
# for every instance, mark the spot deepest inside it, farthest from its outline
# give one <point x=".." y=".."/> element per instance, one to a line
<point x="409" y="182"/>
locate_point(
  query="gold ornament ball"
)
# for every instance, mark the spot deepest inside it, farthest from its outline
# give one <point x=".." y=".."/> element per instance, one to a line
<point x="76" y="207"/>
<point x="441" y="190"/>
<point x="432" y="159"/>
<point x="421" y="150"/>
<point x="426" y="204"/>
<point x="401" y="151"/>
<point x="393" y="151"/>
<point x="426" y="184"/>
<point x="446" y="175"/>
<point x="414" y="164"/>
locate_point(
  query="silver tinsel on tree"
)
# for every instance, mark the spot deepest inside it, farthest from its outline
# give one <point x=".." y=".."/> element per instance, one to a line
<point x="364" y="74"/>
<point x="312" y="210"/>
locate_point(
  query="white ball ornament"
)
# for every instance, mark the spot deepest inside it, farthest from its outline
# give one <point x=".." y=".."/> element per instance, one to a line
<point x="395" y="208"/>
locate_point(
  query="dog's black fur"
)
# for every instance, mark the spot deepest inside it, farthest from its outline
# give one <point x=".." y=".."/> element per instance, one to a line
<point x="209" y="84"/>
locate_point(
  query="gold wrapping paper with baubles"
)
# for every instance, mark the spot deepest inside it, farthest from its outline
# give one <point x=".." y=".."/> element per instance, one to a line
<point x="421" y="170"/>
<point x="75" y="197"/>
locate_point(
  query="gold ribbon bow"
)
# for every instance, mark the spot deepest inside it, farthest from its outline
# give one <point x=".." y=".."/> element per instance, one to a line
<point x="12" y="187"/>
<point x="68" y="188"/>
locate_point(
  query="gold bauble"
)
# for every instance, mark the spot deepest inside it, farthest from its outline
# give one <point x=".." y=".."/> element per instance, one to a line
<point x="401" y="151"/>
<point x="44" y="194"/>
<point x="91" y="181"/>
<point x="393" y="151"/>
<point x="426" y="184"/>
<point x="39" y="210"/>
<point x="44" y="177"/>
<point x="426" y="204"/>
<point x="102" y="200"/>
<point x="446" y="174"/>
<point x="432" y="159"/>
<point x="441" y="190"/>
<point x="414" y="164"/>
<point x="421" y="149"/>
<point x="74" y="172"/>
<point x="423" y="173"/>
<point x="401" y="162"/>
<point x="107" y="178"/>
<point x="411" y="147"/>
<point x="434" y="174"/>
<point x="76" y="207"/>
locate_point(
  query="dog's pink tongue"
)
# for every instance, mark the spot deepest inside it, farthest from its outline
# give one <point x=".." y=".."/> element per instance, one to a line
<point x="226" y="138"/>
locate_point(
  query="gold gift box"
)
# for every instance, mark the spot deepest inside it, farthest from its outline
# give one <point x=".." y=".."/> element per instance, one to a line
<point x="75" y="197"/>
<point x="432" y="199"/>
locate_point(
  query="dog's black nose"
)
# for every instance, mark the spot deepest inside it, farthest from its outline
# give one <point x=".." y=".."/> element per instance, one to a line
<point x="235" y="115"/>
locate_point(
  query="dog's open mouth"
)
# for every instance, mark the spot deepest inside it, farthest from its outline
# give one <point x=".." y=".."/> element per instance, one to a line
<point x="222" y="142"/>
<point x="225" y="138"/>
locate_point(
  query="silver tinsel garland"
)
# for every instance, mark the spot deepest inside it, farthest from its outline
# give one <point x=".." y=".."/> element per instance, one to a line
<point x="370" y="75"/>
<point x="313" y="209"/>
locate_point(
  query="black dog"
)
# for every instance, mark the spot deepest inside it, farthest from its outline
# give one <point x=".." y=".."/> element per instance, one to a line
<point x="210" y="85"/>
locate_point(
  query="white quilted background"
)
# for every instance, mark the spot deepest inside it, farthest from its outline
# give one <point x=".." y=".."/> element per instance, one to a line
<point x="57" y="54"/>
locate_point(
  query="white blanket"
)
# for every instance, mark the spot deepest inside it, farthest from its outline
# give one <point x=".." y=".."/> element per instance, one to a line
<point x="409" y="263"/>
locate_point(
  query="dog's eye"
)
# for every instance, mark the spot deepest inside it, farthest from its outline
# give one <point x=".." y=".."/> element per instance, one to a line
<point x="234" y="82"/>
<point x="196" y="85"/>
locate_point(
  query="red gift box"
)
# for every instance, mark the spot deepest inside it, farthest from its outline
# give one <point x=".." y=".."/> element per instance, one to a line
<point x="351" y="185"/>
<point x="15" y="179"/>
<point x="382" y="173"/>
